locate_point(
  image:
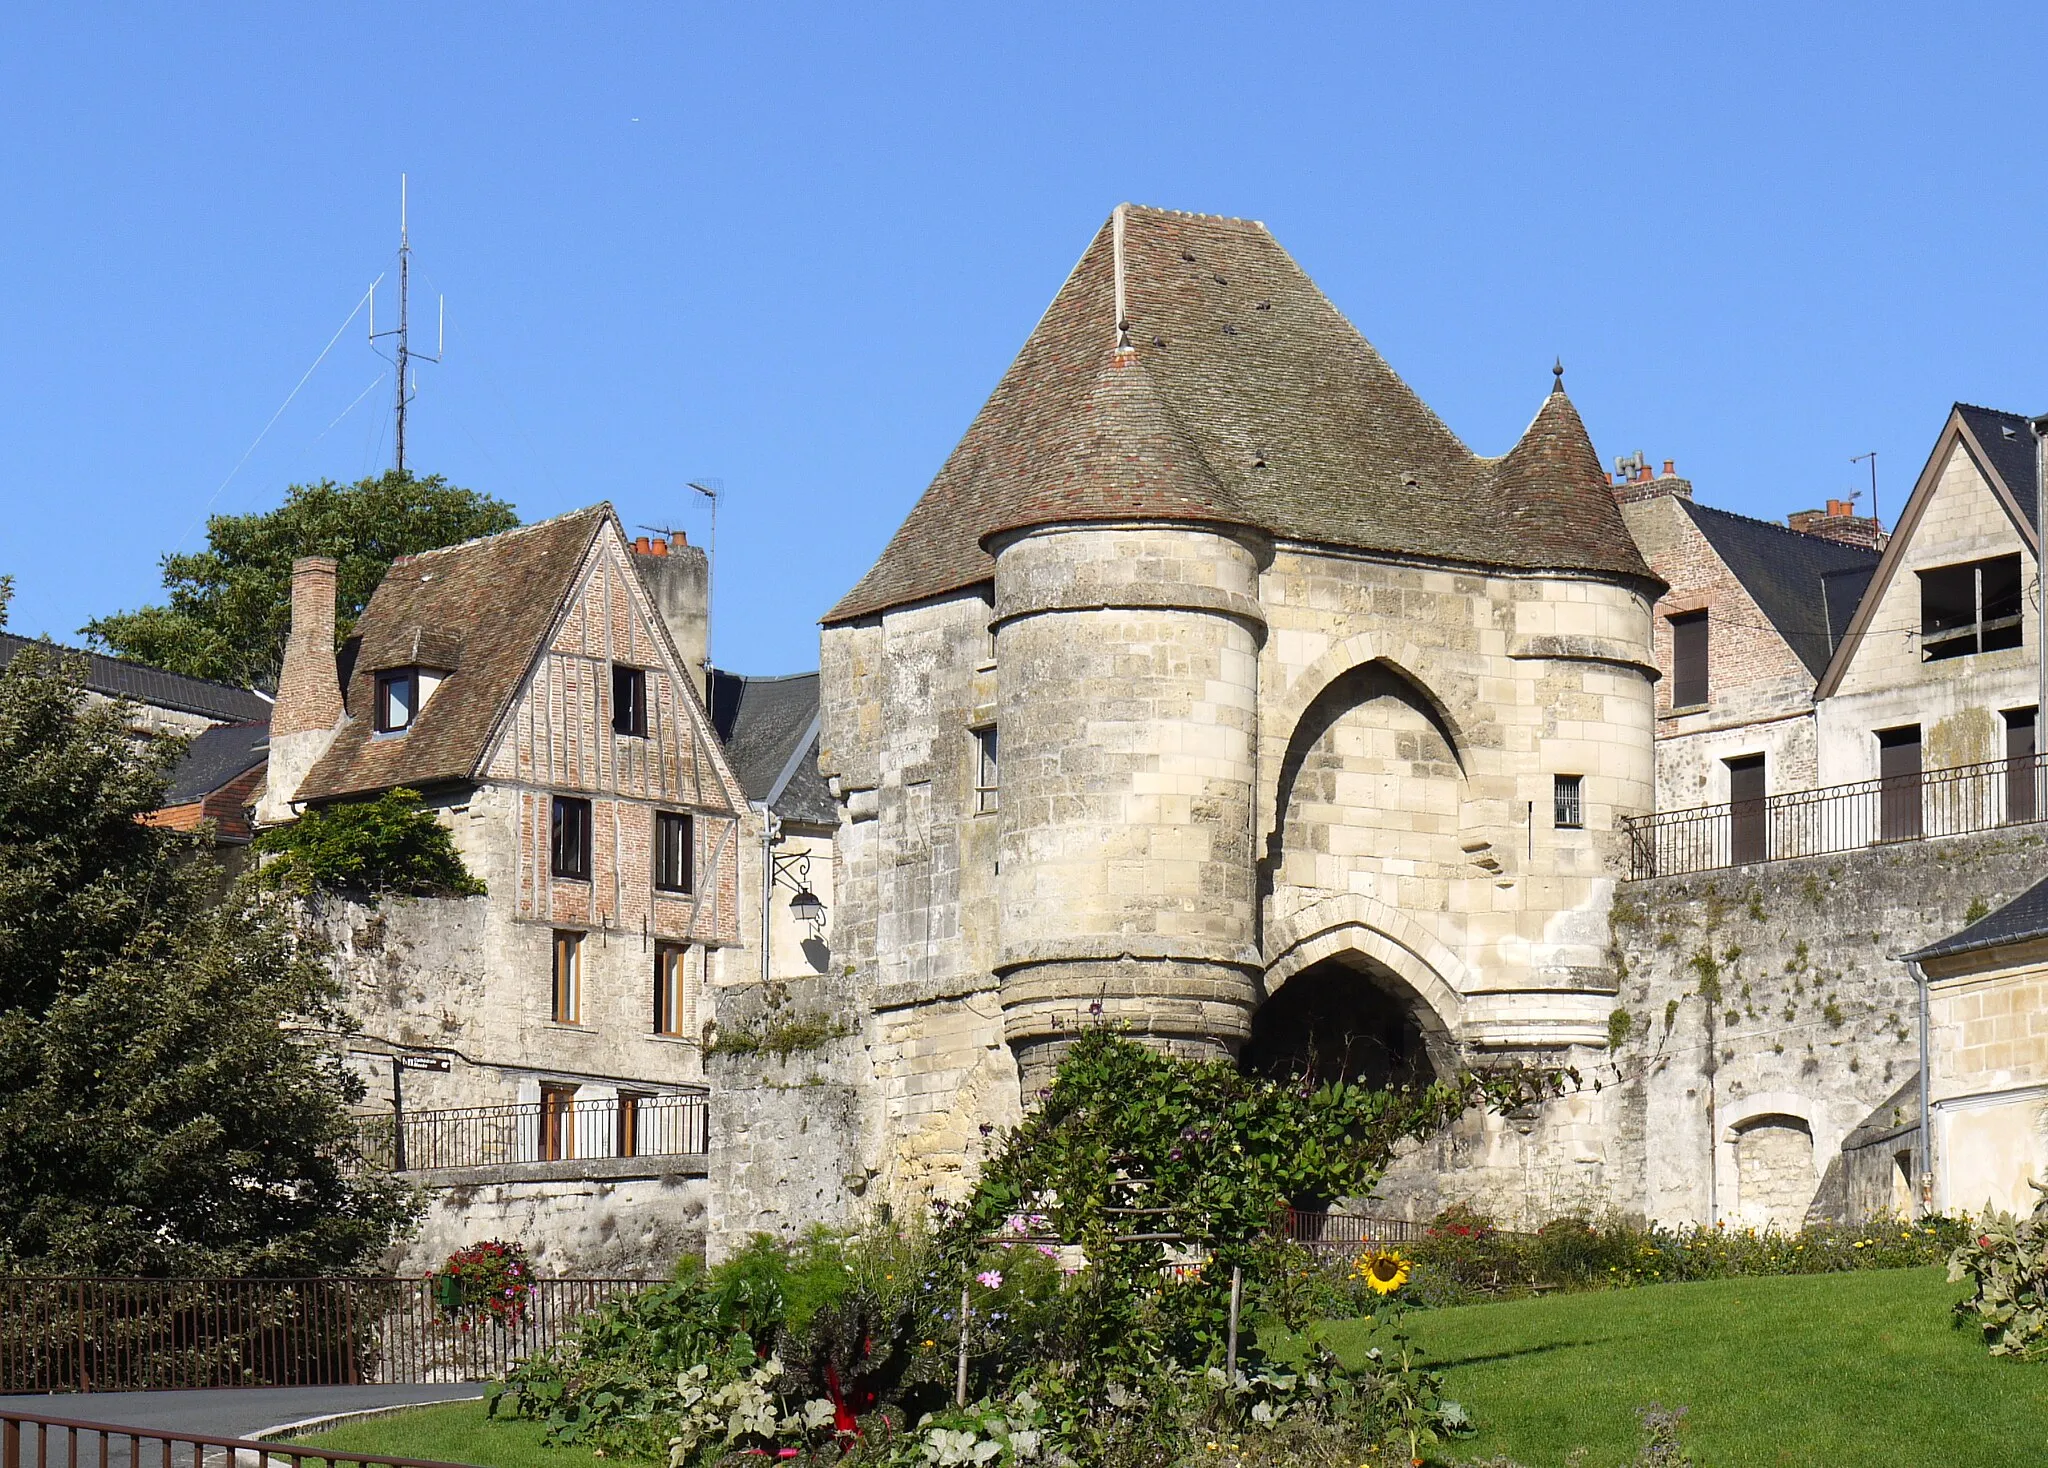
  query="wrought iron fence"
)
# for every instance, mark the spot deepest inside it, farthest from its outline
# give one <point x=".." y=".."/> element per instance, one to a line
<point x="63" y="1334"/>
<point x="37" y="1440"/>
<point x="1347" y="1232"/>
<point x="1834" y="818"/>
<point x="554" y="1129"/>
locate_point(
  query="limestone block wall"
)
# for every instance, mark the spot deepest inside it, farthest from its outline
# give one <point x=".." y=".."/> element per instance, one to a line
<point x="1761" y="1003"/>
<point x="1413" y="723"/>
<point x="630" y="1228"/>
<point x="1886" y="683"/>
<point x="1127" y="669"/>
<point x="1989" y="1086"/>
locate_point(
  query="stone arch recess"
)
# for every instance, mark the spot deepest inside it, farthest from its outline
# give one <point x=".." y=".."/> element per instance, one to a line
<point x="1451" y="698"/>
<point x="1351" y="922"/>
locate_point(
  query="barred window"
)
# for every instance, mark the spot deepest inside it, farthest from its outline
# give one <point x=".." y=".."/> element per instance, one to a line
<point x="1567" y="811"/>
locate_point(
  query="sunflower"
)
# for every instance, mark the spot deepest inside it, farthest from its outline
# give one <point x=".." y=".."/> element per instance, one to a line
<point x="1383" y="1269"/>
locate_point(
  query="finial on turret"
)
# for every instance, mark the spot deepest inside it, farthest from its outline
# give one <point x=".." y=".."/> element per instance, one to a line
<point x="1557" y="371"/>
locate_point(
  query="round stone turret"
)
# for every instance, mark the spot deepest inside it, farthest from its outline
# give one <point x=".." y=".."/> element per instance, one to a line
<point x="1127" y="659"/>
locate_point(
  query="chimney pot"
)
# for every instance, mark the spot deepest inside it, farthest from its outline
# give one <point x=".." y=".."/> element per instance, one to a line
<point x="657" y="547"/>
<point x="1670" y="469"/>
<point x="1838" y="508"/>
<point x="678" y="540"/>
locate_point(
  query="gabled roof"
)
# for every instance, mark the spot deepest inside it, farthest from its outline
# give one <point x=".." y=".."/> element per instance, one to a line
<point x="482" y="610"/>
<point x="140" y="683"/>
<point x="2001" y="445"/>
<point x="217" y="756"/>
<point x="2020" y="920"/>
<point x="769" y="727"/>
<point x="1803" y="584"/>
<point x="1189" y="369"/>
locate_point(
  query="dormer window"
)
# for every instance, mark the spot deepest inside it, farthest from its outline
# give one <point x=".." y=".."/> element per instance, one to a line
<point x="401" y="694"/>
<point x="398" y="700"/>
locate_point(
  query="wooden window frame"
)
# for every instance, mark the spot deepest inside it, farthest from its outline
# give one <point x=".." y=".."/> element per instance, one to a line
<point x="1702" y="683"/>
<point x="666" y="880"/>
<point x="557" y="1121"/>
<point x="570" y="842"/>
<point x="566" y="977"/>
<point x="987" y="770"/>
<point x="671" y="989"/>
<point x="387" y="680"/>
<point x="629" y="701"/>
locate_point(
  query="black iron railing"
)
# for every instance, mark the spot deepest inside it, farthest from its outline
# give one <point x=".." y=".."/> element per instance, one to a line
<point x="67" y="1334"/>
<point x="1951" y="802"/>
<point x="1347" y="1232"/>
<point x="37" y="1440"/>
<point x="555" y="1129"/>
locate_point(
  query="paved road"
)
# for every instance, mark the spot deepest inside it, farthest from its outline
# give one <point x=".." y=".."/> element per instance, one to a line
<point x="235" y="1412"/>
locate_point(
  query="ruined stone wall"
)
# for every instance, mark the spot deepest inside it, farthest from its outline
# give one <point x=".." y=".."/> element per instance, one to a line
<point x="1759" y="1002"/>
<point x="620" y="1227"/>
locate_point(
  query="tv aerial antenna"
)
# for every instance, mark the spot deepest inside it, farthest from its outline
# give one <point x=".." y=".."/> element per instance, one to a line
<point x="403" y="356"/>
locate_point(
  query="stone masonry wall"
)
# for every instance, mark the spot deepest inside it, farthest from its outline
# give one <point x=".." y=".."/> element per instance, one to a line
<point x="633" y="1228"/>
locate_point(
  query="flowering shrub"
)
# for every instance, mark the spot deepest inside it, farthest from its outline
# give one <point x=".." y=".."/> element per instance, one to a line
<point x="487" y="1281"/>
<point x="2007" y="1263"/>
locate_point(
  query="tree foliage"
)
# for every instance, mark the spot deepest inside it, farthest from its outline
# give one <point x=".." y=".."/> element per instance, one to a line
<point x="230" y="604"/>
<point x="155" y="1116"/>
<point x="367" y="848"/>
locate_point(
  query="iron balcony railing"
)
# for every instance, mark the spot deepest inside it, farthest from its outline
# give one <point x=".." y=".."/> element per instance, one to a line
<point x="557" y="1128"/>
<point x="71" y="1334"/>
<point x="1834" y="818"/>
<point x="37" y="1440"/>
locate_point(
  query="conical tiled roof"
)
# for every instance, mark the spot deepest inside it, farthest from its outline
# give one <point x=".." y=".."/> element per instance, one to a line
<point x="1554" y="492"/>
<point x="1244" y="395"/>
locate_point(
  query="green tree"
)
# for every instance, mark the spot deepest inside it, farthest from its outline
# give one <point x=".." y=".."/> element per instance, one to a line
<point x="230" y="604"/>
<point x="155" y="1117"/>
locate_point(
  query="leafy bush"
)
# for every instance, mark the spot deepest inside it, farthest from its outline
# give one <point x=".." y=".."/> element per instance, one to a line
<point x="366" y="849"/>
<point x="2007" y="1265"/>
<point x="490" y="1281"/>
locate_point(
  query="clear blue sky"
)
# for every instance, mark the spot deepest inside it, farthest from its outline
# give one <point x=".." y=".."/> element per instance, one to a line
<point x="793" y="247"/>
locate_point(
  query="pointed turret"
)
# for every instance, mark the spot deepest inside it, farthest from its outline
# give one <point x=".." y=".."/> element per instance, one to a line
<point x="1556" y="495"/>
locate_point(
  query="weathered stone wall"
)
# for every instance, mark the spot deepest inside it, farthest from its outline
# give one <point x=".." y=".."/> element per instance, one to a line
<point x="626" y="1227"/>
<point x="1758" y="1000"/>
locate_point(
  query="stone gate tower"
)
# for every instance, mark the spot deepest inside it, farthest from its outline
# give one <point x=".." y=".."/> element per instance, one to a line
<point x="1215" y="689"/>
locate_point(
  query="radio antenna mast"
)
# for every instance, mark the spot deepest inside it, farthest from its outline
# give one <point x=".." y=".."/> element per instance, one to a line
<point x="403" y="354"/>
<point x="710" y="491"/>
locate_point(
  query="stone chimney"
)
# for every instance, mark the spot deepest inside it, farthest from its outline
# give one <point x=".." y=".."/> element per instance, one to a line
<point x="309" y="707"/>
<point x="1635" y="481"/>
<point x="678" y="578"/>
<point x="1839" y="521"/>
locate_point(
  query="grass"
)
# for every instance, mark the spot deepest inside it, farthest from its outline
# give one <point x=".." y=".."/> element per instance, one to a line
<point x="451" y="1432"/>
<point x="1827" y="1370"/>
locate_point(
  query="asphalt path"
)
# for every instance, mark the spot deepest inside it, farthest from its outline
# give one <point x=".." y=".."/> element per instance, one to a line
<point x="234" y="1412"/>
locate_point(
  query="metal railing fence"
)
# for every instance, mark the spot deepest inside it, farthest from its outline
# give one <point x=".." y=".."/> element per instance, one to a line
<point x="666" y="1125"/>
<point x="38" y="1440"/>
<point x="1346" y="1232"/>
<point x="70" y="1334"/>
<point x="1836" y="818"/>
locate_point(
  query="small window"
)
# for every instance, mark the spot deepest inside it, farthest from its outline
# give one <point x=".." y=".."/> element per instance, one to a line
<point x="1689" y="660"/>
<point x="629" y="701"/>
<point x="672" y="998"/>
<point x="1970" y="608"/>
<point x="571" y="838"/>
<point x="398" y="699"/>
<point x="674" y="851"/>
<point x="985" y="770"/>
<point x="568" y="978"/>
<point x="557" y="1122"/>
<point x="1567" y="812"/>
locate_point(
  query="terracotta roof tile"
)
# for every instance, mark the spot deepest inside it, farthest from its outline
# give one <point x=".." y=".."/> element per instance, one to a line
<point x="1253" y="398"/>
<point x="485" y="607"/>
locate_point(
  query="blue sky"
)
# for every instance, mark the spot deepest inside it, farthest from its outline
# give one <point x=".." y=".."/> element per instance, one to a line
<point x="793" y="247"/>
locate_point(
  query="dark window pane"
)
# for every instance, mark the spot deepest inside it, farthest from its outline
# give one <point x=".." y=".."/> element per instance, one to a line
<point x="2001" y="591"/>
<point x="571" y="838"/>
<point x="674" y="851"/>
<point x="1898" y="768"/>
<point x="1748" y="831"/>
<point x="1689" y="660"/>
<point x="2020" y="748"/>
<point x="629" y="701"/>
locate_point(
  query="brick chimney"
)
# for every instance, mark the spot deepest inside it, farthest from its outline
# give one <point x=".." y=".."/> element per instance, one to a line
<point x="1839" y="521"/>
<point x="1636" y="481"/>
<point x="678" y="578"/>
<point x="309" y="707"/>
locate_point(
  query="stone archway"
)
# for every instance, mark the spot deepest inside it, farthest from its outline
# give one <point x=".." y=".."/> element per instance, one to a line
<point x="1344" y="1017"/>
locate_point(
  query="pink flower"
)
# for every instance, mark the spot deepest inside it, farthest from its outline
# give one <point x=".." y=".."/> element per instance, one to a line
<point x="993" y="1278"/>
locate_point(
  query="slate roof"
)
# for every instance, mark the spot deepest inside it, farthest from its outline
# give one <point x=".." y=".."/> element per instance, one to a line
<point x="1235" y="393"/>
<point x="764" y="723"/>
<point x="2008" y="441"/>
<point x="483" y="609"/>
<point x="2023" y="918"/>
<point x="139" y="683"/>
<point x="1807" y="586"/>
<point x="217" y="756"/>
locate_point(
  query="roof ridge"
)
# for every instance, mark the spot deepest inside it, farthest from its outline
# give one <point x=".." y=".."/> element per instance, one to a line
<point x="765" y="677"/>
<point x="1192" y="214"/>
<point x="1804" y="535"/>
<point x="442" y="550"/>
<point x="1984" y="408"/>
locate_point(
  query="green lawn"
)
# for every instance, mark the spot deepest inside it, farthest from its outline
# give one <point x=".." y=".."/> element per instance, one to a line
<point x="452" y="1432"/>
<point x="1854" y="1370"/>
